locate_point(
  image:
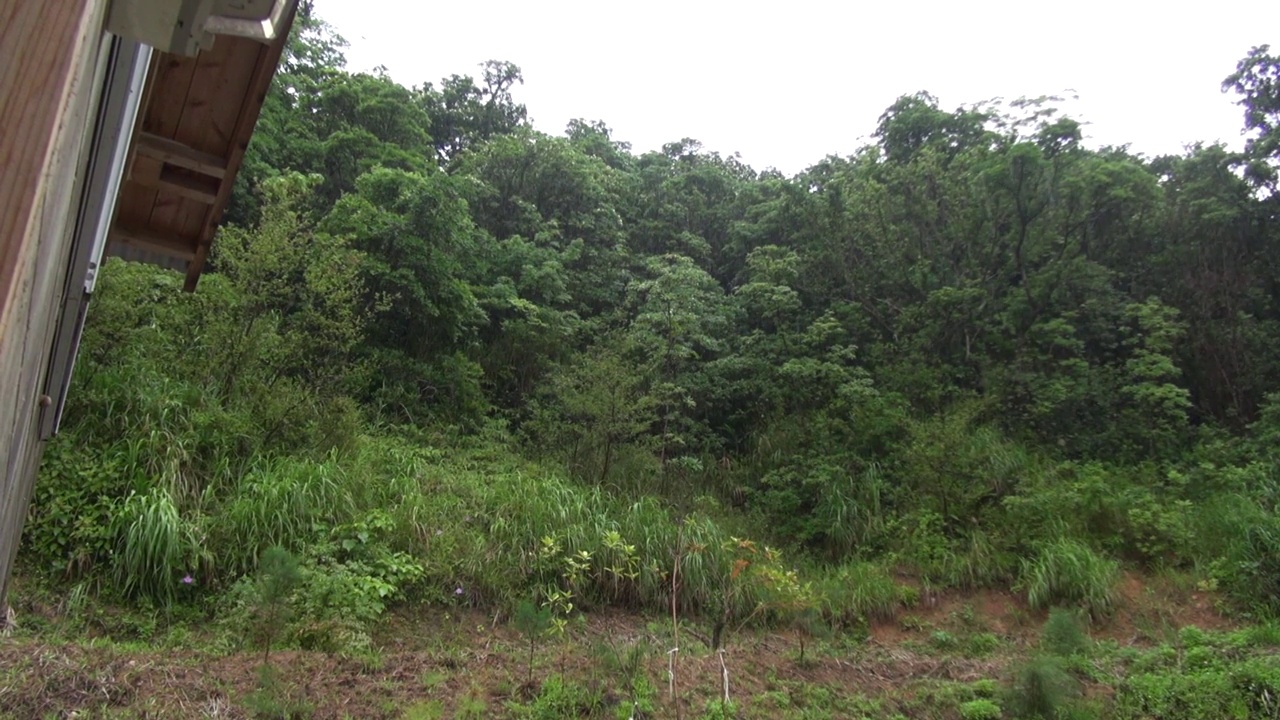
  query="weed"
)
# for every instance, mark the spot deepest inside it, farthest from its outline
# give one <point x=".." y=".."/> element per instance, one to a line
<point x="433" y="679"/>
<point x="979" y="644"/>
<point x="943" y="640"/>
<point x="472" y="707"/>
<point x="719" y="710"/>
<point x="559" y="698"/>
<point x="272" y="700"/>
<point x="912" y="623"/>
<point x="427" y="710"/>
<point x="981" y="709"/>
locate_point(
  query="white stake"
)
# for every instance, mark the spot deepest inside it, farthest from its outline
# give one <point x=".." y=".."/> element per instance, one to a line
<point x="724" y="671"/>
<point x="671" y="672"/>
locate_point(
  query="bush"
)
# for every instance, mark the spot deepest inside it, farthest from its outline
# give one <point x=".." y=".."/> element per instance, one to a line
<point x="1066" y="571"/>
<point x="70" y="529"/>
<point x="1247" y="689"/>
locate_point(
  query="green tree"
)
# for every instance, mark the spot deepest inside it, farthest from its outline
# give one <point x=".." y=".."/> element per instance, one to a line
<point x="1257" y="82"/>
<point x="419" y="242"/>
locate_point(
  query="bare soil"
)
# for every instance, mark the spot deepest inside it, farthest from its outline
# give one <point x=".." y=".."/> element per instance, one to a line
<point x="477" y="662"/>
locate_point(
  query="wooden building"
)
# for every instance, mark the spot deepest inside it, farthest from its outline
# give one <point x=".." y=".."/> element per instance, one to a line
<point x="124" y="125"/>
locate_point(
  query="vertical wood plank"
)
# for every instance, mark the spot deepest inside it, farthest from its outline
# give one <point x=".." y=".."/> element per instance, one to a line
<point x="48" y="53"/>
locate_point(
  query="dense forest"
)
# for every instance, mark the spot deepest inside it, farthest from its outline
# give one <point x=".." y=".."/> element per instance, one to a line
<point x="447" y="360"/>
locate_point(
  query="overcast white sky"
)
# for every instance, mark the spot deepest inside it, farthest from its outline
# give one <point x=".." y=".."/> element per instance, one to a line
<point x="787" y="83"/>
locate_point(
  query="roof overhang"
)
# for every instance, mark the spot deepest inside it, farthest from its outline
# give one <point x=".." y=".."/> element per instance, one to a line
<point x="197" y="116"/>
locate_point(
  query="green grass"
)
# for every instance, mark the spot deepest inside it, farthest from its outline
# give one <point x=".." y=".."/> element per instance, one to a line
<point x="280" y="503"/>
<point x="156" y="546"/>
<point x="862" y="591"/>
<point x="1068" y="572"/>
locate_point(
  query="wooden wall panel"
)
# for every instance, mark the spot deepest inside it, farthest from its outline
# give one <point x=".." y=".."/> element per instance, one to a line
<point x="48" y="54"/>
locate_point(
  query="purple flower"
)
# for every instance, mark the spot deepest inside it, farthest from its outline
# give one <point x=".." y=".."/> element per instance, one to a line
<point x="458" y="591"/>
<point x="187" y="580"/>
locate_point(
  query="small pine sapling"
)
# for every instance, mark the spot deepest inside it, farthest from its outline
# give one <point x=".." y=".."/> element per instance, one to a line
<point x="533" y="622"/>
<point x="278" y="575"/>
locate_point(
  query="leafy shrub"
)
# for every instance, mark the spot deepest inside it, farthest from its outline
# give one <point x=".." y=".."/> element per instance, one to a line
<point x="1067" y="571"/>
<point x="73" y="510"/>
<point x="1247" y="689"/>
<point x="985" y="688"/>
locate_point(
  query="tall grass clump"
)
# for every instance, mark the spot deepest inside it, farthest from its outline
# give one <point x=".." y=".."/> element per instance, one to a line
<point x="283" y="502"/>
<point x="849" y="512"/>
<point x="979" y="562"/>
<point x="1066" y="571"/>
<point x="861" y="592"/>
<point x="505" y="529"/>
<point x="155" y="546"/>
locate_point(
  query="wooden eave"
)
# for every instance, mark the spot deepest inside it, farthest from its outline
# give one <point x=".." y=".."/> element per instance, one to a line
<point x="194" y="126"/>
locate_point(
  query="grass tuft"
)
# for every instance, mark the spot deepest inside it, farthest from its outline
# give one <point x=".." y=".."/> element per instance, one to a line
<point x="1069" y="572"/>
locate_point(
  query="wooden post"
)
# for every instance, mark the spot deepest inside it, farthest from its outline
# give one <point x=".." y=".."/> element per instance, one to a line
<point x="49" y="50"/>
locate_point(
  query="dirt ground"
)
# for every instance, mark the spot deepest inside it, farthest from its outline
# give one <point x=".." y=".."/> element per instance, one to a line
<point x="469" y="663"/>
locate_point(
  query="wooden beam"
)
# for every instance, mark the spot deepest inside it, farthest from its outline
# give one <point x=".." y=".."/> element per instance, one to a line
<point x="179" y="155"/>
<point x="268" y="60"/>
<point x="200" y="188"/>
<point x="153" y="242"/>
